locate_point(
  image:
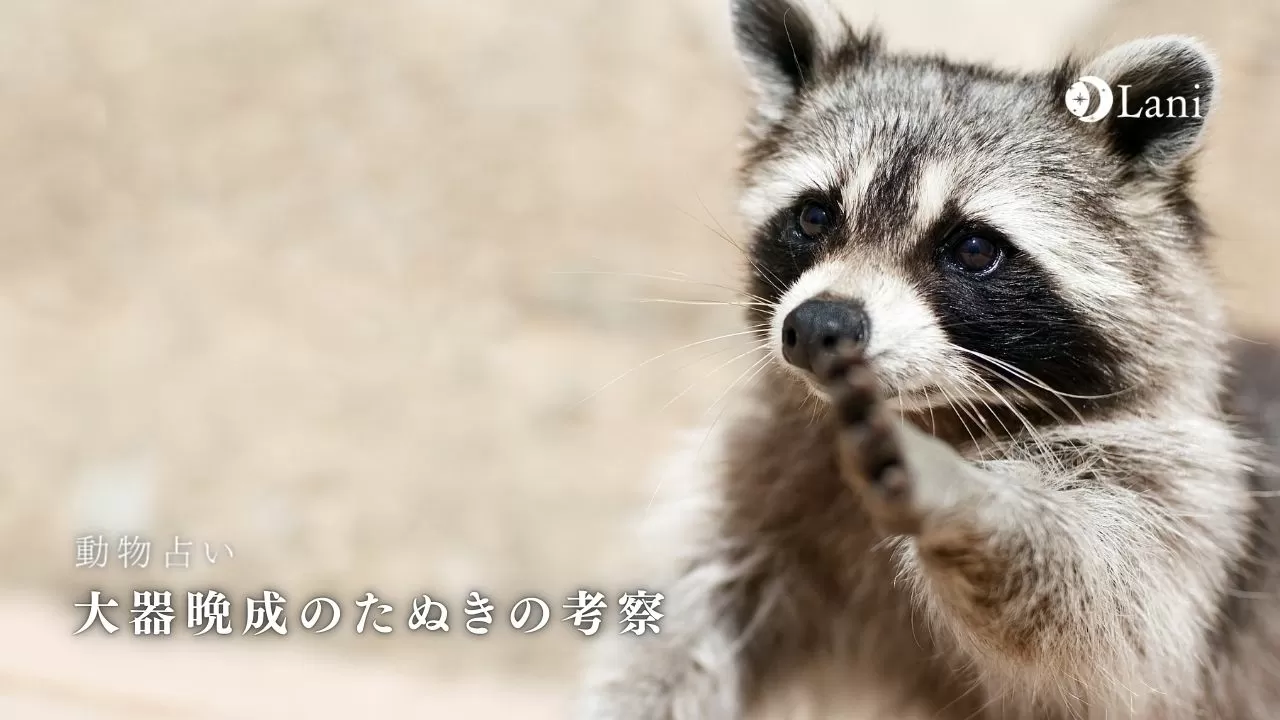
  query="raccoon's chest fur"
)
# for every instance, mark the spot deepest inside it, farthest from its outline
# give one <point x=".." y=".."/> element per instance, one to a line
<point x="855" y="641"/>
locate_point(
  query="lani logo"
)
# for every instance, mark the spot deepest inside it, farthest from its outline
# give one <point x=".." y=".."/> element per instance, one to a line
<point x="1081" y="94"/>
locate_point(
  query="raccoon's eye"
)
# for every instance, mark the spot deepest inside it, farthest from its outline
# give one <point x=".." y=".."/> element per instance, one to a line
<point x="976" y="253"/>
<point x="814" y="219"/>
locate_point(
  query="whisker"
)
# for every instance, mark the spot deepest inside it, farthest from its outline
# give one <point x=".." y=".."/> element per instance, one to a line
<point x="976" y="396"/>
<point x="701" y="302"/>
<point x="933" y="422"/>
<point x="774" y="281"/>
<point x="762" y="362"/>
<point x="713" y="371"/>
<point x="951" y="404"/>
<point x="983" y="709"/>
<point x="1037" y="381"/>
<point x="978" y="418"/>
<point x="1034" y="434"/>
<point x="991" y="364"/>
<point x="1022" y="391"/>
<point x="706" y="356"/>
<point x="652" y="276"/>
<point x="1036" y="437"/>
<point x="976" y="684"/>
<point x="655" y="358"/>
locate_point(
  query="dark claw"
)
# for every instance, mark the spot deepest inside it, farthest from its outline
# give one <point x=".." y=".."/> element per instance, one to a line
<point x="853" y="408"/>
<point x="869" y="455"/>
<point x="874" y="448"/>
<point x="833" y="368"/>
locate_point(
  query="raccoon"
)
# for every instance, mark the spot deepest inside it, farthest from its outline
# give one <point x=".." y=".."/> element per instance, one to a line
<point x="1013" y="465"/>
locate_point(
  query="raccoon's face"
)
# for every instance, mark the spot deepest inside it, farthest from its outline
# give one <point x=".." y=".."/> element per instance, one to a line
<point x="976" y="237"/>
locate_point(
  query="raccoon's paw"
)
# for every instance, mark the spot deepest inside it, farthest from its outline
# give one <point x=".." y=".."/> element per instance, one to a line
<point x="869" y="443"/>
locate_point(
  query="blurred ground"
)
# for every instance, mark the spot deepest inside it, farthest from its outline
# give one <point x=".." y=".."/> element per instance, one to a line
<point x="329" y="282"/>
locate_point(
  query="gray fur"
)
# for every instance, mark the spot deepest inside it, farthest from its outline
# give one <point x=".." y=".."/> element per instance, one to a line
<point x="948" y="536"/>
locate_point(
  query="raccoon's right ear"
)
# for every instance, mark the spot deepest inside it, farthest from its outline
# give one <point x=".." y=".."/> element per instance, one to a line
<point x="1164" y="89"/>
<point x="782" y="43"/>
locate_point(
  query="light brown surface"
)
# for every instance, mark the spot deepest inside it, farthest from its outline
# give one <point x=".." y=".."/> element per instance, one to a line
<point x="306" y="277"/>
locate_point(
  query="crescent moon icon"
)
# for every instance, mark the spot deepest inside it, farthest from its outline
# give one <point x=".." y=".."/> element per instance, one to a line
<point x="1086" y="87"/>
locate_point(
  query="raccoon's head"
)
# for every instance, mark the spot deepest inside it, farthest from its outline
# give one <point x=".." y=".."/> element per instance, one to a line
<point x="976" y="236"/>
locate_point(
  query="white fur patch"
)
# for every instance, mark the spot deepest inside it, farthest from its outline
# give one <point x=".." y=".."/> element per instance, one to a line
<point x="907" y="344"/>
<point x="828" y="23"/>
<point x="932" y="192"/>
<point x="1090" y="270"/>
<point x="777" y="184"/>
<point x="686" y="502"/>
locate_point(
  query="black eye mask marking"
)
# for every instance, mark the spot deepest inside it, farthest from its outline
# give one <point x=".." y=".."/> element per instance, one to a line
<point x="791" y="242"/>
<point x="1013" y="311"/>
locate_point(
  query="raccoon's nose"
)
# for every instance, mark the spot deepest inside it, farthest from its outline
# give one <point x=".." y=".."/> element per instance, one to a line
<point x="816" y="327"/>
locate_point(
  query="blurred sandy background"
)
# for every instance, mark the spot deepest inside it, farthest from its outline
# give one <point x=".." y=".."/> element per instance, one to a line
<point x="329" y="282"/>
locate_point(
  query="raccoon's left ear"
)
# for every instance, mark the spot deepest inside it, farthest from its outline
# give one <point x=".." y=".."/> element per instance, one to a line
<point x="1163" y="89"/>
<point x="782" y="44"/>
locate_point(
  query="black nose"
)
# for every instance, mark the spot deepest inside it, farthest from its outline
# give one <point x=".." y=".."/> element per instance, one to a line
<point x="819" y="326"/>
